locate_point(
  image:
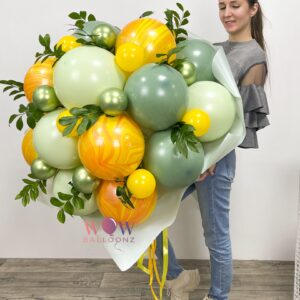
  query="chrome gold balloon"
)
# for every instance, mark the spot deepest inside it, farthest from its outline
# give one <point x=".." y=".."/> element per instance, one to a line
<point x="42" y="170"/>
<point x="188" y="71"/>
<point x="84" y="181"/>
<point x="113" y="101"/>
<point x="104" y="36"/>
<point x="45" y="99"/>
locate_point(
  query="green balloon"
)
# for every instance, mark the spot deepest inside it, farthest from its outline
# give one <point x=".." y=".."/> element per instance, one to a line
<point x="169" y="167"/>
<point x="44" y="98"/>
<point x="157" y="96"/>
<point x="218" y="103"/>
<point x="61" y="184"/>
<point x="84" y="181"/>
<point x="83" y="73"/>
<point x="188" y="71"/>
<point x="41" y="170"/>
<point x="113" y="101"/>
<point x="200" y="54"/>
<point x="55" y="149"/>
<point x="104" y="36"/>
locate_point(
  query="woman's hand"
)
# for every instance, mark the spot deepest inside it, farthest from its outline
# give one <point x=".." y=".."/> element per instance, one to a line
<point x="209" y="172"/>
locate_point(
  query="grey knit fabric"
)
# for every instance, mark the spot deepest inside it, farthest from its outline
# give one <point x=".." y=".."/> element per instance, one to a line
<point x="242" y="56"/>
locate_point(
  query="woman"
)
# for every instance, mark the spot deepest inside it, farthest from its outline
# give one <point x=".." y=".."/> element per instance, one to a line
<point x="245" y="51"/>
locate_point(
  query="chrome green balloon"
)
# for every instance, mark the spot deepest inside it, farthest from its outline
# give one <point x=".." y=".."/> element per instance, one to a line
<point x="41" y="170"/>
<point x="218" y="103"/>
<point x="84" y="181"/>
<point x="157" y="96"/>
<point x="188" y="71"/>
<point x="169" y="167"/>
<point x="200" y="54"/>
<point x="83" y="73"/>
<point x="44" y="98"/>
<point x="104" y="36"/>
<point x="55" y="149"/>
<point x="61" y="184"/>
<point x="113" y="101"/>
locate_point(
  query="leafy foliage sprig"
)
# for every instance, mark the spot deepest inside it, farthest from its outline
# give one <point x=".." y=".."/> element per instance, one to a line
<point x="175" y="22"/>
<point x="86" y="116"/>
<point x="15" y="88"/>
<point x="166" y="58"/>
<point x="146" y="14"/>
<point x="124" y="195"/>
<point x="57" y="51"/>
<point x="182" y="135"/>
<point x="31" y="190"/>
<point x="67" y="203"/>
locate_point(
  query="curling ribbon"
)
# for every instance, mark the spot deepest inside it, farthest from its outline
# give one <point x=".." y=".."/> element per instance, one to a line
<point x="152" y="264"/>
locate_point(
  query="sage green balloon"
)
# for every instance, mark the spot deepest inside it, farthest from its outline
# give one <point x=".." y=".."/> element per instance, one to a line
<point x="84" y="181"/>
<point x="113" y="101"/>
<point x="41" y="170"/>
<point x="55" y="149"/>
<point x="169" y="167"/>
<point x="104" y="36"/>
<point x="200" y="54"/>
<point x="45" y="99"/>
<point x="157" y="96"/>
<point x="61" y="184"/>
<point x="83" y="73"/>
<point x="188" y="71"/>
<point x="218" y="103"/>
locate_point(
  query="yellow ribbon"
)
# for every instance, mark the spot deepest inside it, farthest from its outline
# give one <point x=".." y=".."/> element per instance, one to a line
<point x="152" y="264"/>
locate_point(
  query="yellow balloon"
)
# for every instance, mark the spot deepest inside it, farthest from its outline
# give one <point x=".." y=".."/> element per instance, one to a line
<point x="68" y="43"/>
<point x="61" y="128"/>
<point x="130" y="57"/>
<point x="28" y="150"/>
<point x="141" y="183"/>
<point x="199" y="119"/>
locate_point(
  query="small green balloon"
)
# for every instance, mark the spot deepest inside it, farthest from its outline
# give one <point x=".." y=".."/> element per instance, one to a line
<point x="41" y="170"/>
<point x="45" y="99"/>
<point x="104" y="36"/>
<point x="113" y="101"/>
<point x="188" y="71"/>
<point x="84" y="181"/>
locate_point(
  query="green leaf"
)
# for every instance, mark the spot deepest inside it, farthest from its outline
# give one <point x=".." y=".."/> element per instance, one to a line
<point x="83" y="126"/>
<point x="12" y="118"/>
<point x="42" y="187"/>
<point x="181" y="31"/>
<point x="8" y="88"/>
<point x="74" y="15"/>
<point x="19" y="196"/>
<point x="68" y="208"/>
<point x="146" y="14"/>
<point x="41" y="40"/>
<point x="175" y="14"/>
<point x="83" y="15"/>
<point x="78" y="202"/>
<point x="47" y="40"/>
<point x="180" y="39"/>
<point x="119" y="191"/>
<point x="75" y="111"/>
<point x="160" y="55"/>
<point x="64" y="121"/>
<point x="19" y="96"/>
<point x="79" y="24"/>
<point x="19" y="123"/>
<point x="27" y="181"/>
<point x="61" y="216"/>
<point x="175" y="50"/>
<point x="31" y="122"/>
<point x="184" y="22"/>
<point x="64" y="197"/>
<point x="69" y="128"/>
<point x="180" y="6"/>
<point x="13" y="92"/>
<point x="186" y="14"/>
<point x="91" y="17"/>
<point x="54" y="201"/>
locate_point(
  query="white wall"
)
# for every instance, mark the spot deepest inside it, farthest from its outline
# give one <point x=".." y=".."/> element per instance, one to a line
<point x="265" y="192"/>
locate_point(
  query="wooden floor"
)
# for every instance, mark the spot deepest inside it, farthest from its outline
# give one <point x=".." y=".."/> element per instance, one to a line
<point x="91" y="279"/>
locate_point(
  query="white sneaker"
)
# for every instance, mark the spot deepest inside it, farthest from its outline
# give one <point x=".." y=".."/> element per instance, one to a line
<point x="179" y="288"/>
<point x="208" y="298"/>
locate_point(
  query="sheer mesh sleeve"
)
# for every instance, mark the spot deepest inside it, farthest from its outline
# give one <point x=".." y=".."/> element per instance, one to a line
<point x="255" y="103"/>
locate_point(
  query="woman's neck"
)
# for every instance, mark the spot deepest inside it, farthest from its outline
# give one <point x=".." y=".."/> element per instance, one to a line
<point x="242" y="36"/>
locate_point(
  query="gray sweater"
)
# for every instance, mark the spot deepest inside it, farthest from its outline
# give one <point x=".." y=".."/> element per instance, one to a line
<point x="249" y="67"/>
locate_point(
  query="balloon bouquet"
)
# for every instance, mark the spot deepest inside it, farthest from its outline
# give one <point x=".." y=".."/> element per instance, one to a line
<point x="121" y="118"/>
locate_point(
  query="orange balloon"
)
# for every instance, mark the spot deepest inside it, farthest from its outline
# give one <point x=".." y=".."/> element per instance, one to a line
<point x="111" y="206"/>
<point x="112" y="148"/>
<point x="39" y="74"/>
<point x="152" y="35"/>
<point x="28" y="150"/>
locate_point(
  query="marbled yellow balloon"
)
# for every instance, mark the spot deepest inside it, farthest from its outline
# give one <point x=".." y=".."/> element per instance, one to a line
<point x="111" y="206"/>
<point x="39" y="74"/>
<point x="150" y="34"/>
<point x="112" y="148"/>
<point x="28" y="150"/>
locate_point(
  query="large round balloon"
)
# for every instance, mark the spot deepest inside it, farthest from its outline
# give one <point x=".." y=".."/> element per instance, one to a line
<point x="150" y="34"/>
<point x="111" y="206"/>
<point x="55" y="149"/>
<point x="157" y="96"/>
<point x="200" y="54"/>
<point x="61" y="184"/>
<point x="112" y="148"/>
<point x="39" y="74"/>
<point x="169" y="167"/>
<point x="83" y="73"/>
<point x="29" y="153"/>
<point x="218" y="103"/>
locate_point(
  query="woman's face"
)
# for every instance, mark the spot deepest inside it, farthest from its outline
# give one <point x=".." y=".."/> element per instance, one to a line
<point x="236" y="15"/>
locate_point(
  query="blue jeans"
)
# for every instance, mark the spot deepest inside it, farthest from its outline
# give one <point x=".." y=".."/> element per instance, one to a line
<point x="214" y="202"/>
